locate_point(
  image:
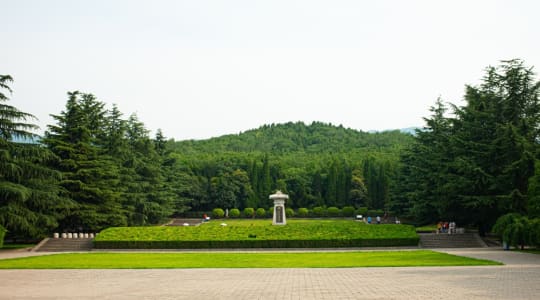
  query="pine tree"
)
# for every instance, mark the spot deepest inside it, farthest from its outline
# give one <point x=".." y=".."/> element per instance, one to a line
<point x="89" y="177"/>
<point x="30" y="204"/>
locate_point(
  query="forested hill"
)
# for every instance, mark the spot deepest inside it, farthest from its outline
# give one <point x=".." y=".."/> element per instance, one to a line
<point x="290" y="137"/>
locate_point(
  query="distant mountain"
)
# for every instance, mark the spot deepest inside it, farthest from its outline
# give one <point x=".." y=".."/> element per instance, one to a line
<point x="410" y="130"/>
<point x="22" y="140"/>
<point x="317" y="137"/>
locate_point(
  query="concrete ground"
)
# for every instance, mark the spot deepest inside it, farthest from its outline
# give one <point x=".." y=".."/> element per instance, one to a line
<point x="519" y="278"/>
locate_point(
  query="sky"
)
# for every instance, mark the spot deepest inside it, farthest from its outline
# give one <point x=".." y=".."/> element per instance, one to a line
<point x="199" y="69"/>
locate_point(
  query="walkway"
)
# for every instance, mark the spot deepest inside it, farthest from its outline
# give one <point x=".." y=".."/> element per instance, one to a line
<point x="519" y="279"/>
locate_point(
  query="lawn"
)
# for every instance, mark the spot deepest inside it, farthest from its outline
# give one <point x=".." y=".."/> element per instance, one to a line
<point x="16" y="246"/>
<point x="242" y="260"/>
<point x="260" y="233"/>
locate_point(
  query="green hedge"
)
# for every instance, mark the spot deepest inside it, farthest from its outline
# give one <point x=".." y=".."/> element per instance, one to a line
<point x="254" y="243"/>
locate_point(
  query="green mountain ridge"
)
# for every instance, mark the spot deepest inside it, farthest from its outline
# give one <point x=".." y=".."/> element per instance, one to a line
<point x="317" y="137"/>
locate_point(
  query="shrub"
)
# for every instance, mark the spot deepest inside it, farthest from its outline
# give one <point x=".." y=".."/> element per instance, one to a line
<point x="234" y="213"/>
<point x="303" y="212"/>
<point x="289" y="212"/>
<point x="514" y="230"/>
<point x="348" y="211"/>
<point x="218" y="213"/>
<point x="362" y="211"/>
<point x="319" y="211"/>
<point x="261" y="212"/>
<point x="333" y="211"/>
<point x="249" y="212"/>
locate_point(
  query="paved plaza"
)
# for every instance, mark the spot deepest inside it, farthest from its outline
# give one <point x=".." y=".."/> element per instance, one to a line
<point x="519" y="278"/>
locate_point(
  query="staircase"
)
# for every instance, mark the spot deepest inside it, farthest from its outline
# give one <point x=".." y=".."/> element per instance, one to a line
<point x="443" y="240"/>
<point x="59" y="245"/>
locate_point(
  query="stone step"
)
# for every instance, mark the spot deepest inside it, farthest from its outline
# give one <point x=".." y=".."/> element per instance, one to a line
<point x="465" y="240"/>
<point x="59" y="245"/>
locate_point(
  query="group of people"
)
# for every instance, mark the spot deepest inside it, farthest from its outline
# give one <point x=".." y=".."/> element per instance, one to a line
<point x="377" y="219"/>
<point x="446" y="227"/>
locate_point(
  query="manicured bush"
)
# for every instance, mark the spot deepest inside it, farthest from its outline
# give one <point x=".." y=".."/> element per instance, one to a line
<point x="2" y="234"/>
<point x="234" y="213"/>
<point x="347" y="211"/>
<point x="303" y="212"/>
<point x="248" y="212"/>
<point x="319" y="211"/>
<point x="333" y="211"/>
<point x="261" y="212"/>
<point x="289" y="212"/>
<point x="218" y="213"/>
<point x="270" y="212"/>
<point x="362" y="211"/>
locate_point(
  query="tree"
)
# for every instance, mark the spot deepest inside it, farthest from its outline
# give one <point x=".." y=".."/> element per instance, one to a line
<point x="89" y="177"/>
<point x="477" y="165"/>
<point x="358" y="192"/>
<point x="30" y="204"/>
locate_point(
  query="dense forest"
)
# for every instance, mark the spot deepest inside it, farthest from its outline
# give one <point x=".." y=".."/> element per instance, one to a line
<point x="94" y="168"/>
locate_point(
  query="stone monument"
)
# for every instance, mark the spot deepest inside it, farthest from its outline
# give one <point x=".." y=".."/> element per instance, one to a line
<point x="279" y="208"/>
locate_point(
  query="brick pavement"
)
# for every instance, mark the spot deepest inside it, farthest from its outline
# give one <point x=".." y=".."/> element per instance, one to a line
<point x="518" y="279"/>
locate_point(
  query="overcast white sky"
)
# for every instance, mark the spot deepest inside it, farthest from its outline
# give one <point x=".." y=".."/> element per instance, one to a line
<point x="198" y="69"/>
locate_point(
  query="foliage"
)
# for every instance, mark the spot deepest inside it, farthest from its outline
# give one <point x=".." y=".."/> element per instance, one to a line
<point x="218" y="213"/>
<point x="261" y="212"/>
<point x="348" y="211"/>
<point x="242" y="260"/>
<point x="517" y="230"/>
<point x="248" y="212"/>
<point x="323" y="165"/>
<point x="477" y="164"/>
<point x="240" y="233"/>
<point x="234" y="213"/>
<point x="303" y="212"/>
<point x="289" y="212"/>
<point x="319" y="211"/>
<point x="2" y="234"/>
<point x="30" y="199"/>
<point x="362" y="211"/>
<point x="333" y="211"/>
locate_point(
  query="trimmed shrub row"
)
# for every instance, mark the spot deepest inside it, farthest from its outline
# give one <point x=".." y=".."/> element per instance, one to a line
<point x="319" y="211"/>
<point x="254" y="243"/>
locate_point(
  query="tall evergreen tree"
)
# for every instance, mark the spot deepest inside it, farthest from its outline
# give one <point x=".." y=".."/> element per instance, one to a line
<point x="89" y="177"/>
<point x="30" y="204"/>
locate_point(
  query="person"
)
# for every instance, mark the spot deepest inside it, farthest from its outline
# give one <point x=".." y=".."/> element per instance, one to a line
<point x="378" y="220"/>
<point x="439" y="227"/>
<point x="369" y="220"/>
<point x="452" y="227"/>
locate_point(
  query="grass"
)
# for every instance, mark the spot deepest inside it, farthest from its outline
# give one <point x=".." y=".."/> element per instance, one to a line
<point x="16" y="246"/>
<point x="105" y="260"/>
<point x="259" y="234"/>
<point x="427" y="228"/>
<point x="261" y="230"/>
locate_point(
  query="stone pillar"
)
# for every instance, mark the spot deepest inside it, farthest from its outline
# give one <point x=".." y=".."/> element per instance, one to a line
<point x="279" y="208"/>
